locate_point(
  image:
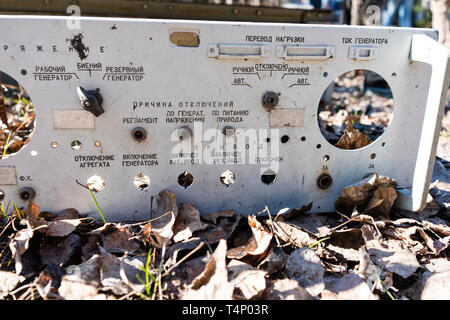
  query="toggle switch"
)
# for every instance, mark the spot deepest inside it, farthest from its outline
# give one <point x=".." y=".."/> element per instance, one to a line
<point x="91" y="100"/>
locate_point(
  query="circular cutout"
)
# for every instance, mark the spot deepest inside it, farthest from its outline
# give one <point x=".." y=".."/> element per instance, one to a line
<point x="268" y="177"/>
<point x="303" y="138"/>
<point x="98" y="144"/>
<point x="2" y="195"/>
<point x="185" y="179"/>
<point x="319" y="146"/>
<point x="54" y="144"/>
<point x="17" y="116"/>
<point x="141" y="181"/>
<point x="326" y="157"/>
<point x="227" y="178"/>
<point x="373" y="156"/>
<point x="96" y="183"/>
<point x="139" y="134"/>
<point x="355" y="109"/>
<point x="324" y="181"/>
<point x="284" y="139"/>
<point x="76" y="145"/>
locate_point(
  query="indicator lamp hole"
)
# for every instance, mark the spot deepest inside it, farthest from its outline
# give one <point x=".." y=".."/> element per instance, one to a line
<point x="98" y="144"/>
<point x="268" y="177"/>
<point x="373" y="156"/>
<point x="76" y="145"/>
<point x="2" y="195"/>
<point x="185" y="179"/>
<point x="23" y="72"/>
<point x="141" y="181"/>
<point x="139" y="134"/>
<point x="54" y="145"/>
<point x="319" y="146"/>
<point x="227" y="178"/>
<point x="284" y="139"/>
<point x="303" y="138"/>
<point x="326" y="157"/>
<point x="324" y="181"/>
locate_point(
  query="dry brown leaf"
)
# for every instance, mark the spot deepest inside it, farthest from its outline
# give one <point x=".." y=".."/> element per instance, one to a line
<point x="214" y="217"/>
<point x="350" y="286"/>
<point x="110" y="277"/>
<point x="119" y="240"/>
<point x="258" y="243"/>
<point x="295" y="213"/>
<point x="82" y="281"/>
<point x="247" y="281"/>
<point x="49" y="281"/>
<point x="8" y="281"/>
<point x="274" y="261"/>
<point x="212" y="283"/>
<point x="19" y="244"/>
<point x="59" y="250"/>
<point x="90" y="247"/>
<point x="187" y="222"/>
<point x="61" y="228"/>
<point x="304" y="266"/>
<point x="382" y="201"/>
<point x="352" y="139"/>
<point x="431" y="286"/>
<point x="361" y="193"/>
<point x="289" y="234"/>
<point x="68" y="214"/>
<point x="167" y="211"/>
<point x="286" y="289"/>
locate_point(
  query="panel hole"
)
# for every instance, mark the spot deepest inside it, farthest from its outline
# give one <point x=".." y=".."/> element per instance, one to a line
<point x="98" y="144"/>
<point x="17" y="116"/>
<point x="355" y="109"/>
<point x="227" y="178"/>
<point x="185" y="179"/>
<point x="139" y="134"/>
<point x="326" y="157"/>
<point x="303" y="138"/>
<point x="54" y="144"/>
<point x="76" y="145"/>
<point x="268" y="140"/>
<point x="141" y="181"/>
<point x="96" y="183"/>
<point x="2" y="195"/>
<point x="319" y="146"/>
<point x="383" y="144"/>
<point x="268" y="177"/>
<point x="373" y="156"/>
<point x="324" y="181"/>
<point x="284" y="139"/>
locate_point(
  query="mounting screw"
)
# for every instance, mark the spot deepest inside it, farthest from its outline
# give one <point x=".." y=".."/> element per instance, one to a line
<point x="139" y="134"/>
<point x="27" y="193"/>
<point x="269" y="99"/>
<point x="324" y="181"/>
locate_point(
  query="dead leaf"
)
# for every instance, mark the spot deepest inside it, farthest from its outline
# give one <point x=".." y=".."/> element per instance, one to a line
<point x="290" y="234"/>
<point x="304" y="266"/>
<point x="61" y="228"/>
<point x="349" y="286"/>
<point x="274" y="261"/>
<point x="431" y="286"/>
<point x="49" y="281"/>
<point x="214" y="217"/>
<point x="90" y="247"/>
<point x="352" y="139"/>
<point x="119" y="240"/>
<point x="295" y="213"/>
<point x="167" y="211"/>
<point x="8" y="282"/>
<point x="361" y="193"/>
<point x="286" y="289"/>
<point x="381" y="203"/>
<point x="247" y="281"/>
<point x="68" y="214"/>
<point x="258" y="243"/>
<point x="82" y="281"/>
<point x="59" y="250"/>
<point x="187" y="222"/>
<point x="212" y="283"/>
<point x="110" y="274"/>
<point x="19" y="244"/>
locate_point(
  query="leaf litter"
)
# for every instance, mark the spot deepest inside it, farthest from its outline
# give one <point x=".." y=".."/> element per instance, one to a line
<point x="367" y="249"/>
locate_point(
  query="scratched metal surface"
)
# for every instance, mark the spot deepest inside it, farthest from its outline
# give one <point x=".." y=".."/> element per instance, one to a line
<point x="181" y="75"/>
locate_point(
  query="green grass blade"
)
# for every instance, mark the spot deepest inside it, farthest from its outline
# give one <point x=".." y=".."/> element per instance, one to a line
<point x="6" y="145"/>
<point x="18" y="212"/>
<point x="96" y="203"/>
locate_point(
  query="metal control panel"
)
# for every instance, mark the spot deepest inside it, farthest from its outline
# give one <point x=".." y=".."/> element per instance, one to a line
<point x="202" y="108"/>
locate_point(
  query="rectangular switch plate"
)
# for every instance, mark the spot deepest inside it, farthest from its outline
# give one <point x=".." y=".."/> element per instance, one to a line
<point x="186" y="97"/>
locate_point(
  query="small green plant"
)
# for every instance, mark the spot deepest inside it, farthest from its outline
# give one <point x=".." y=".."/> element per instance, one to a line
<point x="18" y="212"/>
<point x="148" y="275"/>
<point x="385" y="289"/>
<point x="96" y="203"/>
<point x="318" y="241"/>
<point x="6" y="145"/>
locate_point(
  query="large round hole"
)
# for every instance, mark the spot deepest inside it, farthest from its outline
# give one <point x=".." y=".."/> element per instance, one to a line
<point x="185" y="179"/>
<point x="96" y="183"/>
<point x="227" y="178"/>
<point x="2" y="195"/>
<point x="141" y="181"/>
<point x="76" y="145"/>
<point x="17" y="116"/>
<point x="268" y="177"/>
<point x="355" y="109"/>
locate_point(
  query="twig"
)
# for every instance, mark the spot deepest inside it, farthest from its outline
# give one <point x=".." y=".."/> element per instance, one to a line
<point x="271" y="227"/>
<point x="163" y="253"/>
<point x="166" y="273"/>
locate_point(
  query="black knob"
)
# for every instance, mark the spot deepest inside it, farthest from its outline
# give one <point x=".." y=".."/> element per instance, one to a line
<point x="91" y="100"/>
<point x="269" y="99"/>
